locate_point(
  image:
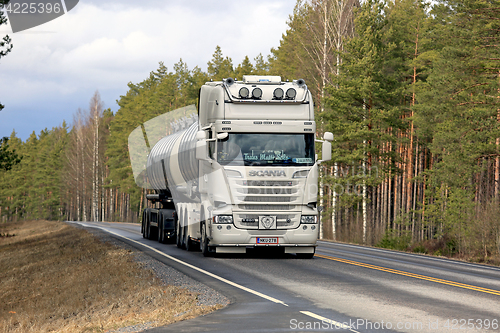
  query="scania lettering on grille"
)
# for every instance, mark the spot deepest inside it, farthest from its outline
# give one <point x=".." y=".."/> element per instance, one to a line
<point x="269" y="173"/>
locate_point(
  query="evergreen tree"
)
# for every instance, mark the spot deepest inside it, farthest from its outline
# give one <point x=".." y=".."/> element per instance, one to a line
<point x="245" y="68"/>
<point x="458" y="106"/>
<point x="8" y="157"/>
<point x="311" y="48"/>
<point x="5" y="42"/>
<point x="459" y="101"/>
<point x="288" y="60"/>
<point x="261" y="65"/>
<point x="219" y="67"/>
<point x="32" y="188"/>
<point x="363" y="110"/>
<point x="10" y="182"/>
<point x="365" y="96"/>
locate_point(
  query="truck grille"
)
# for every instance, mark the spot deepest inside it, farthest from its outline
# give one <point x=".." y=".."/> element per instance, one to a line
<point x="267" y="207"/>
<point x="267" y="183"/>
<point x="276" y="191"/>
<point x="266" y="199"/>
<point x="255" y="194"/>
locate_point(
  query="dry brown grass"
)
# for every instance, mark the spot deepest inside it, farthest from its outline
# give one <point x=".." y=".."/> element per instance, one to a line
<point x="57" y="278"/>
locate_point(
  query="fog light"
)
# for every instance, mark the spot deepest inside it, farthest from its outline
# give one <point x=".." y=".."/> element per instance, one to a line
<point x="219" y="227"/>
<point x="228" y="227"/>
<point x="304" y="227"/>
<point x="291" y="93"/>
<point x="313" y="227"/>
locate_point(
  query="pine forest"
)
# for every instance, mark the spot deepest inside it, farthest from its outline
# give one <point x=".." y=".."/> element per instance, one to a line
<point x="409" y="88"/>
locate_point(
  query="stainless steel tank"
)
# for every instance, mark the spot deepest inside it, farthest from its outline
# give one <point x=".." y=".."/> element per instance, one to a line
<point x="172" y="161"/>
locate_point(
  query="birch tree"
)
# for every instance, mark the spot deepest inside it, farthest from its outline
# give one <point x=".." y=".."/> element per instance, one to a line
<point x="96" y="111"/>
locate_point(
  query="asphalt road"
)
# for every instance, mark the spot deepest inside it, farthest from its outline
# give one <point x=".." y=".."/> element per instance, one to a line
<point x="344" y="288"/>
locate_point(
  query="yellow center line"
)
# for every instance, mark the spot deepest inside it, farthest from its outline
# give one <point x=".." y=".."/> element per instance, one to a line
<point x="416" y="276"/>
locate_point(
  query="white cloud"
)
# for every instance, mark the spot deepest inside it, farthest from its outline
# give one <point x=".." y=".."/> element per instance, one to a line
<point x="56" y="67"/>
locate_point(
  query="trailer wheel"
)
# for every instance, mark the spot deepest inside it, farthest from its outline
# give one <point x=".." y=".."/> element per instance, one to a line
<point x="188" y="244"/>
<point x="146" y="225"/>
<point x="151" y="230"/>
<point x="161" y="231"/>
<point x="143" y="228"/>
<point x="179" y="234"/>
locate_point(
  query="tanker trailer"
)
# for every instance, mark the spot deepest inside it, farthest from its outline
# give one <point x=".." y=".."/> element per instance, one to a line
<point x="172" y="168"/>
<point x="154" y="159"/>
<point x="240" y="173"/>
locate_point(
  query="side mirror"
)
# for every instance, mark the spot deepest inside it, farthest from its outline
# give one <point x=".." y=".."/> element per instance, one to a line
<point x="222" y="136"/>
<point x="326" y="152"/>
<point x="328" y="136"/>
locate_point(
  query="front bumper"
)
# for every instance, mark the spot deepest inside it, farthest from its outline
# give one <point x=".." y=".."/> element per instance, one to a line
<point x="229" y="235"/>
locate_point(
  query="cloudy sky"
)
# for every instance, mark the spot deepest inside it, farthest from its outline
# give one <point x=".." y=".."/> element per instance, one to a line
<point x="55" y="68"/>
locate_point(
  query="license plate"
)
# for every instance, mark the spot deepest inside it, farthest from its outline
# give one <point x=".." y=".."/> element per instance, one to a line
<point x="267" y="240"/>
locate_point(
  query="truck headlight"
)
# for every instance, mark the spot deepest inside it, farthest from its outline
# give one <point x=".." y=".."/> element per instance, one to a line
<point x="308" y="219"/>
<point x="223" y="219"/>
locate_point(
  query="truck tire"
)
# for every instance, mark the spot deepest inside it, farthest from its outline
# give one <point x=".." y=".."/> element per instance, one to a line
<point x="143" y="228"/>
<point x="173" y="237"/>
<point x="146" y="223"/>
<point x="179" y="239"/>
<point x="205" y="249"/>
<point x="161" y="231"/>
<point x="149" y="230"/>
<point x="188" y="243"/>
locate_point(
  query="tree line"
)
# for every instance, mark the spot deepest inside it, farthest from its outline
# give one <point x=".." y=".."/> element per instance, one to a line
<point x="411" y="91"/>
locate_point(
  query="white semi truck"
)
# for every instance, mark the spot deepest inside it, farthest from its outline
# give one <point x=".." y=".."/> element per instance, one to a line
<point x="241" y="172"/>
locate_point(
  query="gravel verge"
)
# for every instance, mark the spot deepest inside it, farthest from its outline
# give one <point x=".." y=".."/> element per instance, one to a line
<point x="168" y="275"/>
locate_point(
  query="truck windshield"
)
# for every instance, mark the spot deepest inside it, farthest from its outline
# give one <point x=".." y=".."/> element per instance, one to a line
<point x="266" y="149"/>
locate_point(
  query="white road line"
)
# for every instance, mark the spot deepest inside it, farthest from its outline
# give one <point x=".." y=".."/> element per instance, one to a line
<point x="329" y="321"/>
<point x="269" y="298"/>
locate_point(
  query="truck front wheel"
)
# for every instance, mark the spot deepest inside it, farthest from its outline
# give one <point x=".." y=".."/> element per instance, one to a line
<point x="205" y="249"/>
